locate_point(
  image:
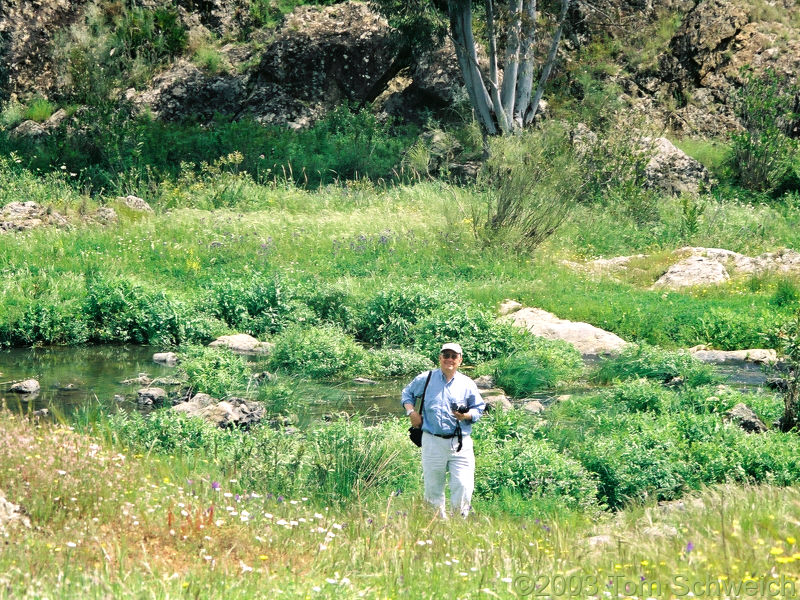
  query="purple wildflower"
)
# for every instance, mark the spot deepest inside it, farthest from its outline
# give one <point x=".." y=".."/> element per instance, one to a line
<point x="689" y="547"/>
<point x="215" y="485"/>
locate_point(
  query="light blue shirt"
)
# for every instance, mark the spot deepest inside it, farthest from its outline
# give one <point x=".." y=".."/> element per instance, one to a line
<point x="437" y="417"/>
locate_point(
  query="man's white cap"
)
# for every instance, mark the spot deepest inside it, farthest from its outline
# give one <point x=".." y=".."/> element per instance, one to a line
<point x="451" y="346"/>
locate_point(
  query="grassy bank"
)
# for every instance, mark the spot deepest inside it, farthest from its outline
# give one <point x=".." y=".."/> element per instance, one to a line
<point x="171" y="507"/>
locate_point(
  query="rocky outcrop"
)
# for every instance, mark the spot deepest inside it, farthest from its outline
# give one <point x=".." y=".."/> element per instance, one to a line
<point x="28" y="29"/>
<point x="242" y="343"/>
<point x="711" y="266"/>
<point x="320" y="58"/>
<point x="233" y="412"/>
<point x="743" y="415"/>
<point x="184" y="91"/>
<point x="21" y="216"/>
<point x="717" y="38"/>
<point x="586" y="338"/>
<point x="754" y="355"/>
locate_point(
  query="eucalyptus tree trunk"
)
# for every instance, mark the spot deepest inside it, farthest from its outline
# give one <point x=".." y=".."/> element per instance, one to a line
<point x="460" y="12"/>
<point x="507" y="106"/>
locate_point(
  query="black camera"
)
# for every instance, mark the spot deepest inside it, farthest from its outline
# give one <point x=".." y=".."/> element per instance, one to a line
<point x="456" y="408"/>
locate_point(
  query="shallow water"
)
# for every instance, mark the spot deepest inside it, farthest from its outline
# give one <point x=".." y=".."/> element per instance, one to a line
<point x="71" y="378"/>
<point x="74" y="377"/>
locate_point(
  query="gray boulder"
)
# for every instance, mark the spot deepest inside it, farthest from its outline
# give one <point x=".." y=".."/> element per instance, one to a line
<point x="29" y="386"/>
<point x="242" y="343"/>
<point x="587" y="338"/>
<point x="136" y="203"/>
<point x="11" y="516"/>
<point x="744" y="416"/>
<point x="533" y="406"/>
<point x="673" y="171"/>
<point x="150" y="395"/>
<point x="233" y="412"/>
<point x="693" y="271"/>
<point x="496" y="399"/>
<point x="166" y="358"/>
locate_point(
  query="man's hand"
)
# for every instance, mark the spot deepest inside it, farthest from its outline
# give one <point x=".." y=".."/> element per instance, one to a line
<point x="465" y="416"/>
<point x="416" y="419"/>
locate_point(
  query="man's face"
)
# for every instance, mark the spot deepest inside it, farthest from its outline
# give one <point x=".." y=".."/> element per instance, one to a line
<point x="449" y="360"/>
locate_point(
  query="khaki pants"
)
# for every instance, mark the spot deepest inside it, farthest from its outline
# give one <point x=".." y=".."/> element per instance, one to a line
<point x="438" y="457"/>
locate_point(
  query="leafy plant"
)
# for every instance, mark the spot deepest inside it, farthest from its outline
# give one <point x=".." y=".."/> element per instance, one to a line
<point x="40" y="110"/>
<point x="392" y="312"/>
<point x="214" y="371"/>
<point x="527" y="371"/>
<point x="654" y="363"/>
<point x="323" y="352"/>
<point x="762" y="154"/>
<point x="532" y="180"/>
<point x="481" y="336"/>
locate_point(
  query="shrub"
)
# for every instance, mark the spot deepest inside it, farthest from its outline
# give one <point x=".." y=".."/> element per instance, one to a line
<point x="392" y="362"/>
<point x="762" y="154"/>
<point x="639" y="461"/>
<point x="524" y="372"/>
<point x="119" y="311"/>
<point x="40" y="110"/>
<point x="481" y="336"/>
<point x="257" y="305"/>
<point x="654" y="363"/>
<point x="214" y="371"/>
<point x="349" y="460"/>
<point x="391" y="313"/>
<point x="532" y="181"/>
<point x="323" y="352"/>
<point x="638" y="395"/>
<point x="534" y="469"/>
<point x="333" y="303"/>
<point x="12" y="114"/>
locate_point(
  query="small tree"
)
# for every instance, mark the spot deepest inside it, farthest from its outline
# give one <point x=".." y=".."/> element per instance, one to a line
<point x="501" y="105"/>
<point x="769" y="110"/>
<point x="789" y="335"/>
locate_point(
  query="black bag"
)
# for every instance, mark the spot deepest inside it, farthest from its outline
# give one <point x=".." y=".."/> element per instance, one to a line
<point x="415" y="433"/>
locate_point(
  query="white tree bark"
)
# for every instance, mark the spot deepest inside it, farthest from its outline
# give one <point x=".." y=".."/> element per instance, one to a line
<point x="460" y="12"/>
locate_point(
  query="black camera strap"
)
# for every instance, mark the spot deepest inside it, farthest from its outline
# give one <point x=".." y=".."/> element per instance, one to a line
<point x="425" y="389"/>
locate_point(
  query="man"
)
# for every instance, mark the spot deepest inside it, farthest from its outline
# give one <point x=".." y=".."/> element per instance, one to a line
<point x="452" y="405"/>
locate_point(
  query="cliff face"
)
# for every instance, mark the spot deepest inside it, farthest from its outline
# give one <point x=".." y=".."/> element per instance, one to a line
<point x="319" y="57"/>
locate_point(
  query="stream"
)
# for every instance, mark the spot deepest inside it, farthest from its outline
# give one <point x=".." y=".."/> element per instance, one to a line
<point x="72" y="378"/>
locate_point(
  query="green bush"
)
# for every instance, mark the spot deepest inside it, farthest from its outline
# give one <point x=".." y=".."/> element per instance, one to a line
<point x="392" y="362"/>
<point x="638" y="395"/>
<point x="481" y="336"/>
<point x="324" y="352"/>
<point x="532" y="181"/>
<point x="333" y="303"/>
<point x="548" y="364"/>
<point x="40" y="110"/>
<point x="214" y="371"/>
<point x="119" y="311"/>
<point x="762" y="154"/>
<point x="534" y="469"/>
<point x="638" y="462"/>
<point x="349" y="460"/>
<point x="654" y="363"/>
<point x="259" y="305"/>
<point x="392" y="312"/>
